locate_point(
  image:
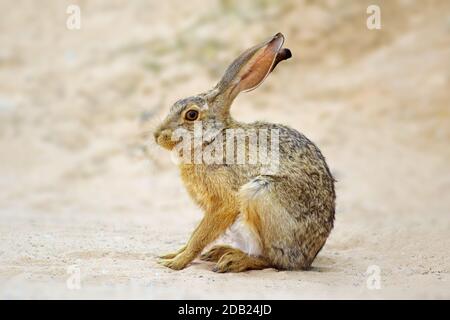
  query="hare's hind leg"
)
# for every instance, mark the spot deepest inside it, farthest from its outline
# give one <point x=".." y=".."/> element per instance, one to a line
<point x="236" y="260"/>
<point x="270" y="222"/>
<point x="215" y="253"/>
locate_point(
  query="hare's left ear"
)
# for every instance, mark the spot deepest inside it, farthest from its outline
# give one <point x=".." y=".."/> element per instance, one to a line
<point x="250" y="69"/>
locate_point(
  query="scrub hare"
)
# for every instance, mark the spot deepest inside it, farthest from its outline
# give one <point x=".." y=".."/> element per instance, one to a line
<point x="283" y="218"/>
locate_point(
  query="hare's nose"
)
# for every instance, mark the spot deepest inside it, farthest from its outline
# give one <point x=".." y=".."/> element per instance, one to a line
<point x="163" y="134"/>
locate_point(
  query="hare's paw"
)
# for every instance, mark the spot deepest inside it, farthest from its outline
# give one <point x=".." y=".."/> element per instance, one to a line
<point x="233" y="261"/>
<point x="168" y="255"/>
<point x="177" y="263"/>
<point x="215" y="253"/>
<point x="172" y="254"/>
<point x="238" y="261"/>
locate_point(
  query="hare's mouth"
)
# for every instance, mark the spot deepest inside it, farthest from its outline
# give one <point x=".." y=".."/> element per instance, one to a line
<point x="166" y="140"/>
<point x="166" y="143"/>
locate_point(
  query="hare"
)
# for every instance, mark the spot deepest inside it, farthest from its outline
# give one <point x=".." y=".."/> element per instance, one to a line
<point x="282" y="218"/>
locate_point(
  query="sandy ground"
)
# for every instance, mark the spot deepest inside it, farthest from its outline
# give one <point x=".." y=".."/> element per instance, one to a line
<point x="82" y="189"/>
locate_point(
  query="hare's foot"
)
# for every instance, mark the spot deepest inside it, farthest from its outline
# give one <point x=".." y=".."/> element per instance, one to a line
<point x="179" y="262"/>
<point x="237" y="261"/>
<point x="173" y="254"/>
<point x="215" y="253"/>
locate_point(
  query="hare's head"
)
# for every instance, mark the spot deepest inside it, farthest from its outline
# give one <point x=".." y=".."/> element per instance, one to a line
<point x="211" y="110"/>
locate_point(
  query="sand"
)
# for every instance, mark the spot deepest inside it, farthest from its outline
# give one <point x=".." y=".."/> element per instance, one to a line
<point x="85" y="193"/>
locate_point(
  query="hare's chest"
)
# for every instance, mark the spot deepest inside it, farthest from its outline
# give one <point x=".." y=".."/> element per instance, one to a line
<point x="208" y="188"/>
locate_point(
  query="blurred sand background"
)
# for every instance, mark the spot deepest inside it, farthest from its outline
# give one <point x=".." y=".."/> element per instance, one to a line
<point x="82" y="186"/>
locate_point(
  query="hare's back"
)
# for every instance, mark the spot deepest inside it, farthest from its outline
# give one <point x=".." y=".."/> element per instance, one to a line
<point x="303" y="180"/>
<point x="296" y="152"/>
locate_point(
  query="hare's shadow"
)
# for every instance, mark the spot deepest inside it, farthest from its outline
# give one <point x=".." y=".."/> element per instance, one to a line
<point x="320" y="265"/>
<point x="323" y="264"/>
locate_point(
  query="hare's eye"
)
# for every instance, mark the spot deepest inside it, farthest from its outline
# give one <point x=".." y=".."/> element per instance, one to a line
<point x="191" y="115"/>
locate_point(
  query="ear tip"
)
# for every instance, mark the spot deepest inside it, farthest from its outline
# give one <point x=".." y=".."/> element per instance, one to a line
<point x="277" y="41"/>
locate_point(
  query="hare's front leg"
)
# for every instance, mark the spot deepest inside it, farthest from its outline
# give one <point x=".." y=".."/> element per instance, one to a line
<point x="173" y="254"/>
<point x="210" y="228"/>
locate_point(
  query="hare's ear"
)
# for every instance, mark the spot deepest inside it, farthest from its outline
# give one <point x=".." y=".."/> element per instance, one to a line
<point x="250" y="69"/>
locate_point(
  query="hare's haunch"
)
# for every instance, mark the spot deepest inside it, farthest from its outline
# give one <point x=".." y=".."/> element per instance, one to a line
<point x="266" y="183"/>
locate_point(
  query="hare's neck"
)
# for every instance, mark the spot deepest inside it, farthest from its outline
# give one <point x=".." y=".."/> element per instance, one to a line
<point x="233" y="123"/>
<point x="194" y="179"/>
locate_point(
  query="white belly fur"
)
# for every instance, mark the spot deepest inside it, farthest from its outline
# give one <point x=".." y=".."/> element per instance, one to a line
<point x="244" y="238"/>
